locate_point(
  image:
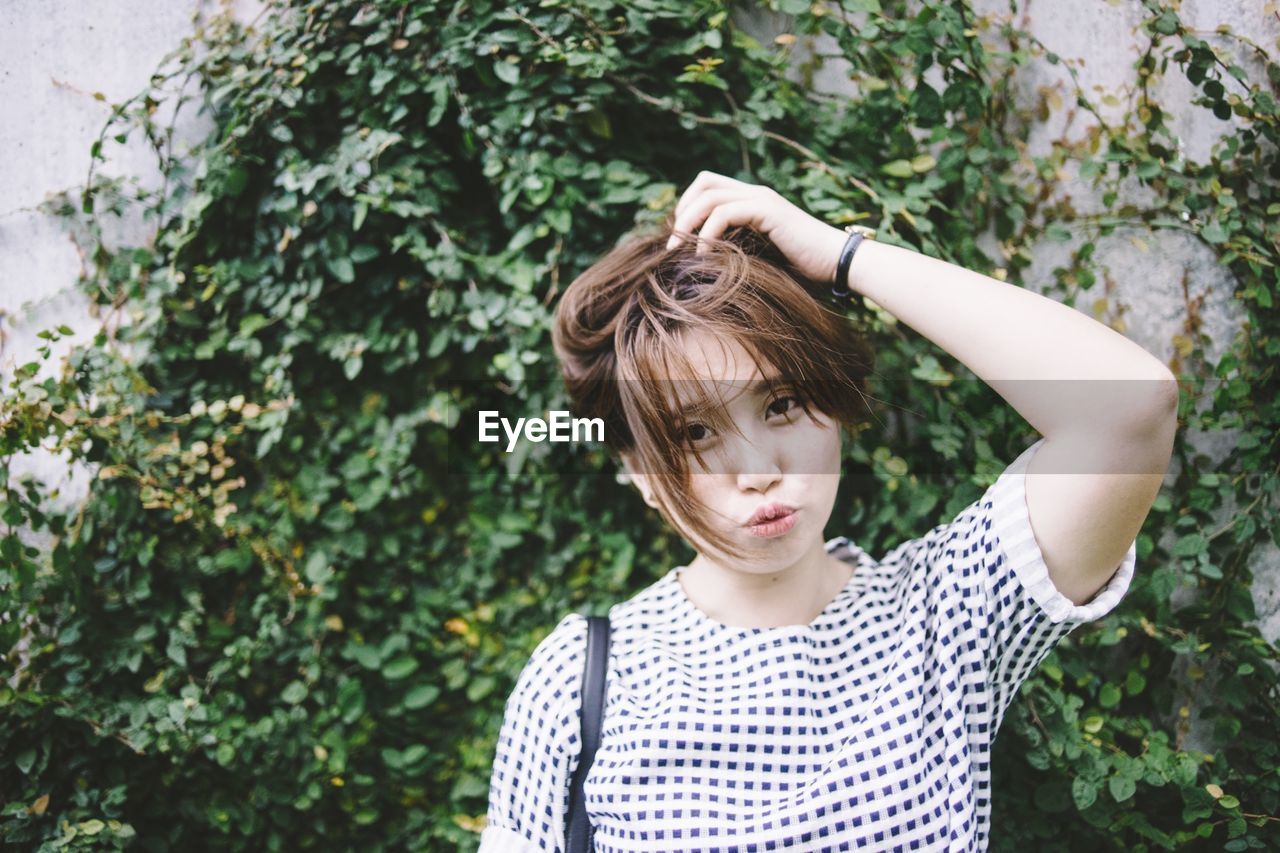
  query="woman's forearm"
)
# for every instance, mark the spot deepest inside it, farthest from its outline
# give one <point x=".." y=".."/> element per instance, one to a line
<point x="1062" y="371"/>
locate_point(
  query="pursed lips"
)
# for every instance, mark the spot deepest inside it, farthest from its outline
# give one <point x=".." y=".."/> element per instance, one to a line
<point x="769" y="512"/>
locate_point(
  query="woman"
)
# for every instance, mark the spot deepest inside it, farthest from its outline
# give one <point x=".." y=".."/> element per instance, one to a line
<point x="784" y="689"/>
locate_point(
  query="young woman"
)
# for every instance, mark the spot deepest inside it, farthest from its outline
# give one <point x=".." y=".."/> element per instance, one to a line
<point x="784" y="689"/>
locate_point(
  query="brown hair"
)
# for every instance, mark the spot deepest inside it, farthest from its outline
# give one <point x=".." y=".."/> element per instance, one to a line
<point x="616" y="333"/>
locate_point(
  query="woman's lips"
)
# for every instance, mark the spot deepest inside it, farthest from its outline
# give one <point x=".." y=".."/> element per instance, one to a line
<point x="775" y="527"/>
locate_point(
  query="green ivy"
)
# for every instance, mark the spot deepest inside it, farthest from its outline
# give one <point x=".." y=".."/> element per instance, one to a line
<point x="289" y="611"/>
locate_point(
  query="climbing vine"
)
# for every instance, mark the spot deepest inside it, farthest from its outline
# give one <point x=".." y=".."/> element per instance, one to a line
<point x="289" y="610"/>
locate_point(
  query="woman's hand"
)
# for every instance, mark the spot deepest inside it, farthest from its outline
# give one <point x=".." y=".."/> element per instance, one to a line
<point x="716" y="203"/>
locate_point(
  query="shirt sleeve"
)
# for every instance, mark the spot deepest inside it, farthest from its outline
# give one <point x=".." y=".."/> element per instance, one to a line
<point x="538" y="747"/>
<point x="1001" y="573"/>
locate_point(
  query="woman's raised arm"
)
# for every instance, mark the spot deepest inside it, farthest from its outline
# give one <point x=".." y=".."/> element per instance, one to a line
<point x="1106" y="407"/>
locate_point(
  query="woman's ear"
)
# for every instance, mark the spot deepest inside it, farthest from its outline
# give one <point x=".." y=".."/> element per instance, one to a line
<point x="641" y="480"/>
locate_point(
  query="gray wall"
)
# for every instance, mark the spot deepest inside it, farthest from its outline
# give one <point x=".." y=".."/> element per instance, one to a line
<point x="63" y="68"/>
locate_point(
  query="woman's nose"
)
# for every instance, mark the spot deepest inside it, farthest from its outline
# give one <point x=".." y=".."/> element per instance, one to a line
<point x="758" y="464"/>
<point x="759" y="481"/>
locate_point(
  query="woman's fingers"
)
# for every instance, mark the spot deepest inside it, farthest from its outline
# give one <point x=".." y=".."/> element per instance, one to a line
<point x="711" y="182"/>
<point x="707" y="193"/>
<point x="713" y="203"/>
<point x="704" y="181"/>
<point x="698" y="210"/>
<point x="741" y="212"/>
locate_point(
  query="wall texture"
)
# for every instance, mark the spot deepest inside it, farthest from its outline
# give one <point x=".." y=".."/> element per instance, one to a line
<point x="63" y="67"/>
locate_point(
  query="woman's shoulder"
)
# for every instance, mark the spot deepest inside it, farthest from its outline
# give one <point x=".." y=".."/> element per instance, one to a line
<point x="898" y="573"/>
<point x="567" y="641"/>
<point x="866" y="566"/>
<point x="551" y="676"/>
<point x="647" y="601"/>
<point x="562" y="641"/>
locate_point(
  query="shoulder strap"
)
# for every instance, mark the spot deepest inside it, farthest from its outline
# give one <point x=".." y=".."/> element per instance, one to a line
<point x="579" y="834"/>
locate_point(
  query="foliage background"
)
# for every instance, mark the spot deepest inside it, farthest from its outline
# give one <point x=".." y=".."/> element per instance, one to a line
<point x="287" y="616"/>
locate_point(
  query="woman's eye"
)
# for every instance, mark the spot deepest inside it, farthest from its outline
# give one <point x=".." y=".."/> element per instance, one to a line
<point x="785" y="408"/>
<point x="697" y="432"/>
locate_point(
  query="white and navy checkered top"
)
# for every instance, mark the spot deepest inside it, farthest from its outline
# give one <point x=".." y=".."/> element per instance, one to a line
<point x="870" y="727"/>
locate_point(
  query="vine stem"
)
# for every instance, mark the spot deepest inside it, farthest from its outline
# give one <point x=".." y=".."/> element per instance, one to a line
<point x="99" y="729"/>
<point x="667" y="106"/>
<point x="1236" y="516"/>
<point x="1247" y="815"/>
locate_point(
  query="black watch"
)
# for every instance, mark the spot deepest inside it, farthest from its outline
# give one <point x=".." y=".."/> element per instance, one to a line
<point x="840" y="287"/>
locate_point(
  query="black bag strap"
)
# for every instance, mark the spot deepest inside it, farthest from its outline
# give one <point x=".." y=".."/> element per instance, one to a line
<point x="579" y="834"/>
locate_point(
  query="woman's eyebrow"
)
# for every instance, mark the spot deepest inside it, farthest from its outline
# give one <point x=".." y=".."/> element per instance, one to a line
<point x="765" y="385"/>
<point x="758" y="387"/>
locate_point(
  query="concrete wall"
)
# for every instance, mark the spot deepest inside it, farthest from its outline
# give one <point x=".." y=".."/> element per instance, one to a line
<point x="64" y="66"/>
<point x="55" y="57"/>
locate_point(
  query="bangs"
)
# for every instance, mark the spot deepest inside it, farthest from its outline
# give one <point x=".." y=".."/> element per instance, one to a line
<point x="666" y="386"/>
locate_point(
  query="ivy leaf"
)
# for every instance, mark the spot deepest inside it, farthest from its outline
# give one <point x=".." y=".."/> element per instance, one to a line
<point x="1122" y="788"/>
<point x="236" y="179"/>
<point x="898" y="168"/>
<point x="342" y="269"/>
<point x="400" y="667"/>
<point x="1190" y="545"/>
<point x="1058" y="232"/>
<point x="367" y="656"/>
<point x="1167" y="23"/>
<point x="598" y="123"/>
<point x="929" y="370"/>
<point x="1084" y="791"/>
<point x="421" y="696"/>
<point x="351" y="700"/>
<point x="923" y="163"/>
<point x="352" y="366"/>
<point x="1214" y="233"/>
<point x="1134" y="683"/>
<point x="316" y="569"/>
<point x="507" y="72"/>
<point x="480" y="687"/>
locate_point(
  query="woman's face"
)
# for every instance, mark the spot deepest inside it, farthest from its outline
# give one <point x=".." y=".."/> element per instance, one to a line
<point x="780" y="457"/>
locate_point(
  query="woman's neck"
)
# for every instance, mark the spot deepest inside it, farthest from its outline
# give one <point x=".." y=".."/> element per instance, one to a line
<point x="795" y="595"/>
